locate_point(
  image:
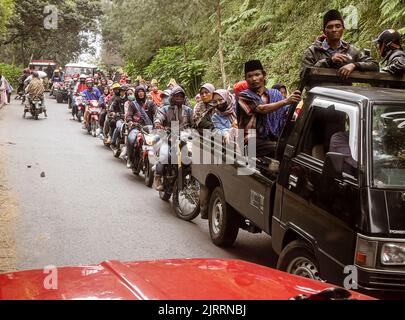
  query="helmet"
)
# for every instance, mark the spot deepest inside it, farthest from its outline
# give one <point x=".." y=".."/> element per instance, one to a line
<point x="388" y="37"/>
<point x="388" y="40"/>
<point x="89" y="80"/>
<point x="124" y="87"/>
<point x="83" y="76"/>
<point x="116" y="86"/>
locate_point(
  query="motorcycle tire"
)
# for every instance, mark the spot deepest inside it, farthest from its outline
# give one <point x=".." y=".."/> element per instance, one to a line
<point x="177" y="209"/>
<point x="59" y="98"/>
<point x="36" y="115"/>
<point x="136" y="166"/>
<point x="164" y="195"/>
<point x="149" y="174"/>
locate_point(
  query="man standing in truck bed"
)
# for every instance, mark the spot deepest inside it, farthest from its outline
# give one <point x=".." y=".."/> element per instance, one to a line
<point x="330" y="51"/>
<point x="262" y="109"/>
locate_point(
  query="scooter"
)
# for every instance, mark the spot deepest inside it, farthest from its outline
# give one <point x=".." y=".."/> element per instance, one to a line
<point x="145" y="154"/>
<point x="179" y="182"/>
<point x="94" y="114"/>
<point x="35" y="107"/>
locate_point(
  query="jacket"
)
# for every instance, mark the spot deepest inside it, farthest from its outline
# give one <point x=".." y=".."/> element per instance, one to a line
<point x="395" y="62"/>
<point x="319" y="56"/>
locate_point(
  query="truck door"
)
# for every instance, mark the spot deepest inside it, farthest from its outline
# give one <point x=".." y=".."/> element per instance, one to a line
<point x="323" y="209"/>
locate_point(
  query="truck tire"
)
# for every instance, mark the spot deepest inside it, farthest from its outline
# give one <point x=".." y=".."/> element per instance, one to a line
<point x="59" y="97"/>
<point x="223" y="221"/>
<point x="298" y="258"/>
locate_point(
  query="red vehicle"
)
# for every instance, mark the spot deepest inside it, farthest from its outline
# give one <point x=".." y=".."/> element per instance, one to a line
<point x="182" y="279"/>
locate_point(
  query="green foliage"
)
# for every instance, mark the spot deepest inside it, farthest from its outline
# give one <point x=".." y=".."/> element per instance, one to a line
<point x="11" y="73"/>
<point x="27" y="37"/>
<point x="275" y="31"/>
<point x="180" y="63"/>
<point x="6" y="10"/>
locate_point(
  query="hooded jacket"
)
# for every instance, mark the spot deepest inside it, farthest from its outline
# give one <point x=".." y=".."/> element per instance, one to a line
<point x="169" y="113"/>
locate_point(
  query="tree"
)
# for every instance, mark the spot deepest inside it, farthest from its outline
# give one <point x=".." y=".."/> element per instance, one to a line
<point x="28" y="37"/>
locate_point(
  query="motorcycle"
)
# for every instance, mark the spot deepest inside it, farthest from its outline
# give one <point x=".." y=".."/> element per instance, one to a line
<point x="94" y="114"/>
<point x="34" y="106"/>
<point x="179" y="182"/>
<point x="80" y="103"/>
<point x="144" y="153"/>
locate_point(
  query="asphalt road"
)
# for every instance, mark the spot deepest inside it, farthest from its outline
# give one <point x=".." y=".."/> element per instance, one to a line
<point x="89" y="207"/>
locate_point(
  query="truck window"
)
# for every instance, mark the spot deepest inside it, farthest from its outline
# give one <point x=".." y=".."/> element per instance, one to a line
<point x="388" y="136"/>
<point x="332" y="127"/>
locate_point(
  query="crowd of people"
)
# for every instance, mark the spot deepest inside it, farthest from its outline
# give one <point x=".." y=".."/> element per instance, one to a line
<point x="249" y="105"/>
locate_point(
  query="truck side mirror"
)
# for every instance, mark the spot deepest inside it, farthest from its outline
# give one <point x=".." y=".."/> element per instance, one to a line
<point x="333" y="165"/>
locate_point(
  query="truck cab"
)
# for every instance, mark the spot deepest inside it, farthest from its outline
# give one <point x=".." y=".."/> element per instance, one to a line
<point x="337" y="200"/>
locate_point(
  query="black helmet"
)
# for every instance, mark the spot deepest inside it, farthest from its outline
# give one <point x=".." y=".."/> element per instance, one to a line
<point x="388" y="37"/>
<point x="388" y="40"/>
<point x="124" y="88"/>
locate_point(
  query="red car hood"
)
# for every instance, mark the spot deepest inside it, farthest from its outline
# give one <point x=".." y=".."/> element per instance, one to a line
<point x="186" y="279"/>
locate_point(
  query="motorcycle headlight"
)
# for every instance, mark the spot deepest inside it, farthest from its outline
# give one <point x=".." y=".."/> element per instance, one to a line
<point x="189" y="146"/>
<point x="393" y="254"/>
<point x="150" y="140"/>
<point x="94" y="103"/>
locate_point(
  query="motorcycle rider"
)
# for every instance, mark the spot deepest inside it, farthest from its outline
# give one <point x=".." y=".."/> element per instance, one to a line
<point x="389" y="45"/>
<point x="21" y="83"/>
<point x="71" y="88"/>
<point x="35" y="90"/>
<point x="80" y="87"/>
<point x="91" y="93"/>
<point x="178" y="111"/>
<point x="116" y="107"/>
<point x="140" y="111"/>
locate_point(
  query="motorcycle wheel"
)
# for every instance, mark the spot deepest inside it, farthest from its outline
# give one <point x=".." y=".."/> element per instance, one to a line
<point x="93" y="128"/>
<point x="36" y="115"/>
<point x="59" y="97"/>
<point x="164" y="195"/>
<point x="149" y="175"/>
<point x="136" y="166"/>
<point x="186" y="202"/>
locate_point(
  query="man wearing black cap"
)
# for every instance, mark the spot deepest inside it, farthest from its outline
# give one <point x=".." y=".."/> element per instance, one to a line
<point x="389" y="47"/>
<point x="330" y="51"/>
<point x="262" y="110"/>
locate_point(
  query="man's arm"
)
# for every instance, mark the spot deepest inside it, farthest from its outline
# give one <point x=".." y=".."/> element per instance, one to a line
<point x="365" y="63"/>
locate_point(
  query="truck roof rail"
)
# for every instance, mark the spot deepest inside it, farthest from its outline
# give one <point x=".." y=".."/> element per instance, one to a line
<point x="317" y="76"/>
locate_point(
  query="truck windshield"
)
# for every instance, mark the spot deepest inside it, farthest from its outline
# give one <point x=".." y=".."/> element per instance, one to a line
<point x="389" y="146"/>
<point x="79" y="70"/>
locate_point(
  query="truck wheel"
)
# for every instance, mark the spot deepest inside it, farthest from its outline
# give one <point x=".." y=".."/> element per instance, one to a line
<point x="59" y="97"/>
<point x="223" y="221"/>
<point x="298" y="258"/>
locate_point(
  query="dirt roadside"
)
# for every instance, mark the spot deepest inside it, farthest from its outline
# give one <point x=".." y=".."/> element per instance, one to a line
<point x="8" y="216"/>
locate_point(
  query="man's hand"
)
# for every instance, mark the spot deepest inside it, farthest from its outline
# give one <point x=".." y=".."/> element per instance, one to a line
<point x="226" y="137"/>
<point x="345" y="71"/>
<point x="294" y="98"/>
<point x="339" y="58"/>
<point x="159" y="126"/>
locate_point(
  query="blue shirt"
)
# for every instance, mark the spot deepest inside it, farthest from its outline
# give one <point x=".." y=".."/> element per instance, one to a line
<point x="94" y="95"/>
<point x="221" y="123"/>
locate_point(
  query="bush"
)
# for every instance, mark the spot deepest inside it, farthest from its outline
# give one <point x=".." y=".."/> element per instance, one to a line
<point x="11" y="73"/>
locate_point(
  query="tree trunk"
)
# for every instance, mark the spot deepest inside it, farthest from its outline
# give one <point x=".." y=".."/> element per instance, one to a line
<point x="220" y="45"/>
